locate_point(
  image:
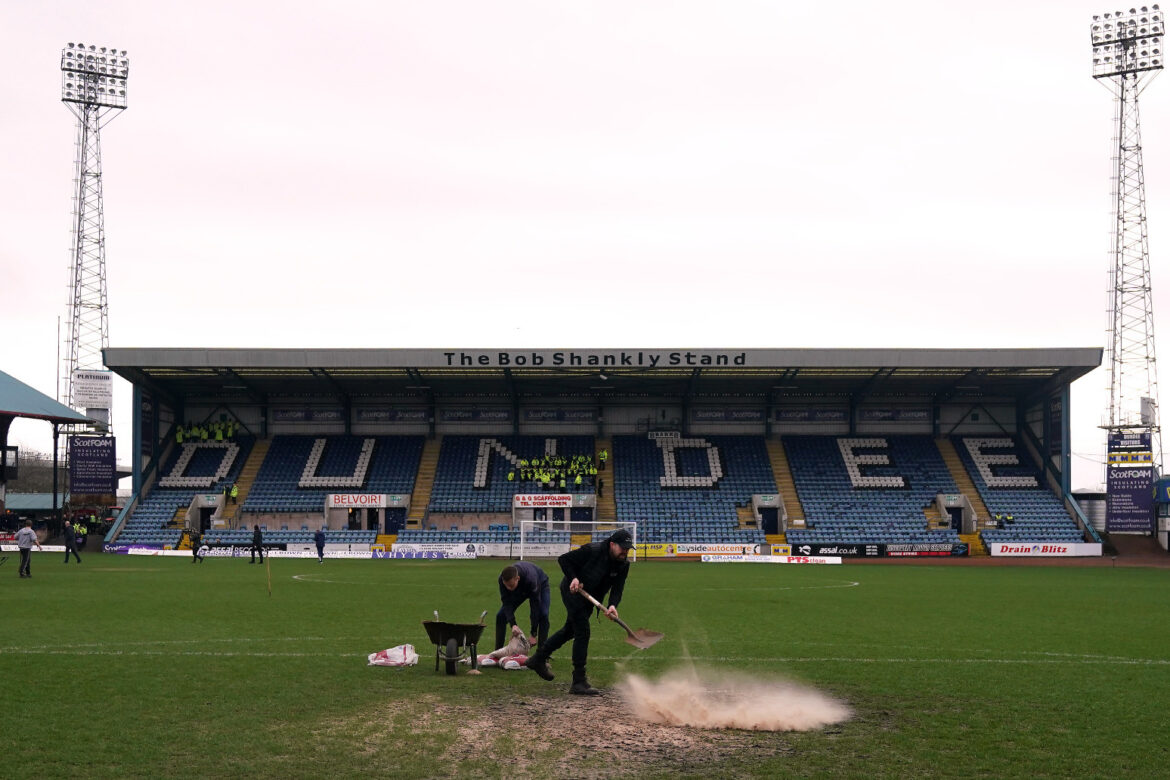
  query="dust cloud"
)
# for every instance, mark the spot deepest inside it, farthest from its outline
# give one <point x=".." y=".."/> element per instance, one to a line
<point x="721" y="700"/>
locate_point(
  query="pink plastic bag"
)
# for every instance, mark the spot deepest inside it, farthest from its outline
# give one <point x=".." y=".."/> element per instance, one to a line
<point x="402" y="655"/>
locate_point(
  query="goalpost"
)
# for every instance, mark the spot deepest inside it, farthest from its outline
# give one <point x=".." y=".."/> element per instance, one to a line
<point x="538" y="538"/>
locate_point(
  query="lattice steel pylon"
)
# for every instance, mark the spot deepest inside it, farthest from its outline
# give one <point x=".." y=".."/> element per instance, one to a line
<point x="93" y="88"/>
<point x="1127" y="53"/>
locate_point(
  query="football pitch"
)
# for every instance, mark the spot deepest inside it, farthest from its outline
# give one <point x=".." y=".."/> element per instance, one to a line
<point x="156" y="667"/>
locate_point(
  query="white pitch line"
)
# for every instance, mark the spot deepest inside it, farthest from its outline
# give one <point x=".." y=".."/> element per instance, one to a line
<point x="763" y="589"/>
<point x="810" y="659"/>
<point x="42" y="651"/>
<point x="738" y="659"/>
<point x="84" y="646"/>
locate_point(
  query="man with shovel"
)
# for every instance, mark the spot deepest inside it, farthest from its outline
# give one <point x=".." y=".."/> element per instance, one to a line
<point x="596" y="568"/>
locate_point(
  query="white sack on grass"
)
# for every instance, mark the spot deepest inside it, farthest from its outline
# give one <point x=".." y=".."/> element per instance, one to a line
<point x="401" y="655"/>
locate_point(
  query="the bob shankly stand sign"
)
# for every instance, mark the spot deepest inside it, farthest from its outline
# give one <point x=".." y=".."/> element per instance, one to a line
<point x="593" y="359"/>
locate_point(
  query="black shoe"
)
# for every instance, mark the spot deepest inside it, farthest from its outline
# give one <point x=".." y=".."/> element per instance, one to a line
<point x="583" y="688"/>
<point x="540" y="666"/>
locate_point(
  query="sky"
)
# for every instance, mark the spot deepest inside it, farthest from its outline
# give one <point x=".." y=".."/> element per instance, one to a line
<point x="513" y="174"/>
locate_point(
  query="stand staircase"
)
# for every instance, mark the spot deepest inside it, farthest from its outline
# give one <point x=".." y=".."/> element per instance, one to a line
<point x="246" y="479"/>
<point x="606" y="507"/>
<point x="784" y="483"/>
<point x="966" y="487"/>
<point x="424" y="481"/>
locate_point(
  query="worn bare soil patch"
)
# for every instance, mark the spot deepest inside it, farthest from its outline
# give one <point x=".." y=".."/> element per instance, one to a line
<point x="594" y="737"/>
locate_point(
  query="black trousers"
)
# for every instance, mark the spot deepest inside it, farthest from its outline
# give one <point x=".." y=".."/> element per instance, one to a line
<point x="576" y="628"/>
<point x="257" y="550"/>
<point x="69" y="548"/>
<point x="25" y="554"/>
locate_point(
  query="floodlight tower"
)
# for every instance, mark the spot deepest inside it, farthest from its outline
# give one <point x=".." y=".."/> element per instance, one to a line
<point x="93" y="87"/>
<point x="1127" y="53"/>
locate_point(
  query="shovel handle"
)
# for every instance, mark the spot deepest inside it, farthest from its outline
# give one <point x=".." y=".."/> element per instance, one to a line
<point x="598" y="604"/>
<point x="591" y="600"/>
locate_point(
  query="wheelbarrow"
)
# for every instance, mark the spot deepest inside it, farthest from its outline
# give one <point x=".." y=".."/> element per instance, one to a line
<point x="454" y="641"/>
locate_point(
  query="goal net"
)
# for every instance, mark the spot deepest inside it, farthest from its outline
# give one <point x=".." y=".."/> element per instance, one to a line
<point x="549" y="538"/>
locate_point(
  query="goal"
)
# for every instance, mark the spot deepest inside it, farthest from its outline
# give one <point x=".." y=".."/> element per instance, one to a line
<point x="543" y="538"/>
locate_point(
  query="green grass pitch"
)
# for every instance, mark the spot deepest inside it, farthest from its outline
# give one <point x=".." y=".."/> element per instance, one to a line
<point x="154" y="667"/>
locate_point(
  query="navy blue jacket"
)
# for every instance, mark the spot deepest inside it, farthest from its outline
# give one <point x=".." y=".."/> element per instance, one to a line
<point x="532" y="579"/>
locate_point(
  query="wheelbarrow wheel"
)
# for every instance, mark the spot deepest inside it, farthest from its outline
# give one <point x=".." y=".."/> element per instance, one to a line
<point x="452" y="655"/>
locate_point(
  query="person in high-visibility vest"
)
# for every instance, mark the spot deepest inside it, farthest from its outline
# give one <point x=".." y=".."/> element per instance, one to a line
<point x="235" y="492"/>
<point x="603" y="456"/>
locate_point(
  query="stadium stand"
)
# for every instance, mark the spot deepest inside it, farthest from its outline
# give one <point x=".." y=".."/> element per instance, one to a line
<point x="472" y="472"/>
<point x="297" y="474"/>
<point x="1013" y="493"/>
<point x="686" y="490"/>
<point x="190" y="469"/>
<point x="867" y="490"/>
<point x="300" y="471"/>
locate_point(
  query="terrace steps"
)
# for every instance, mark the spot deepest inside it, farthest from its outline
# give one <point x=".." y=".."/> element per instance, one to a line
<point x="424" y="482"/>
<point x="784" y="482"/>
<point x="934" y="519"/>
<point x="386" y="540"/>
<point x="580" y="539"/>
<point x="776" y="538"/>
<point x="747" y="518"/>
<point x="975" y="546"/>
<point x="606" y="506"/>
<point x="248" y="474"/>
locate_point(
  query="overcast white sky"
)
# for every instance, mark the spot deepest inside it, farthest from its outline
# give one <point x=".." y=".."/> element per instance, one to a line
<point x="553" y="174"/>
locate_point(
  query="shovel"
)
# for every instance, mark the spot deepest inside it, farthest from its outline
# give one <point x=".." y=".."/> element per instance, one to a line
<point x="641" y="639"/>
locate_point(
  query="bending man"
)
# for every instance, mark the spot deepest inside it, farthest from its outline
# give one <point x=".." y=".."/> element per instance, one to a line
<point x="597" y="568"/>
<point x="523" y="581"/>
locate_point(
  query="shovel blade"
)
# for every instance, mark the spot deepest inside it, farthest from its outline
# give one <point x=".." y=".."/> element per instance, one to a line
<point x="643" y="638"/>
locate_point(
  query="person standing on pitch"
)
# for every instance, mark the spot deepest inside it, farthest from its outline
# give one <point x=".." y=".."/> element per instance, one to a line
<point x="319" y="538"/>
<point x="25" y="538"/>
<point x="257" y="544"/>
<point x="196" y="542"/>
<point x="523" y="581"/>
<point x="71" y="542"/>
<point x="596" y="568"/>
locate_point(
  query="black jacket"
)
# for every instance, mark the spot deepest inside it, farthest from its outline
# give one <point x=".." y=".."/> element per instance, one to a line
<point x="598" y="573"/>
<point x="257" y="539"/>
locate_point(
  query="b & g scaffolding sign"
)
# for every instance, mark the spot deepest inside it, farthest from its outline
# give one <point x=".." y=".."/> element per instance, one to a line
<point x="1129" y="483"/>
